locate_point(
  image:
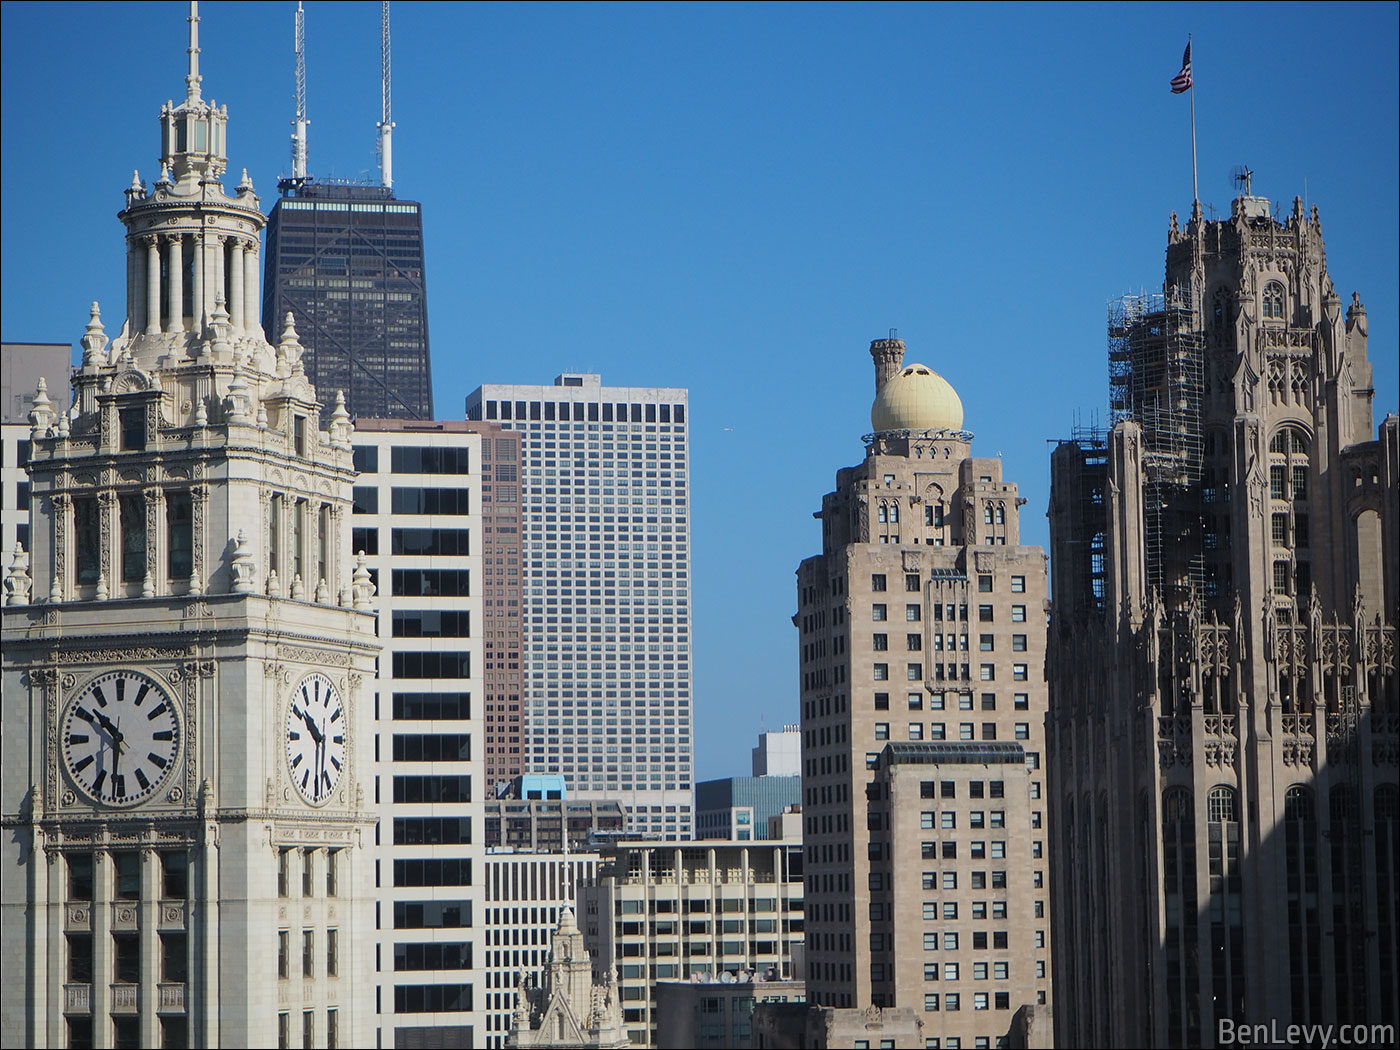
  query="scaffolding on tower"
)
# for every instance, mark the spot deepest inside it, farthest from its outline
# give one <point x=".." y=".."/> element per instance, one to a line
<point x="1156" y="352"/>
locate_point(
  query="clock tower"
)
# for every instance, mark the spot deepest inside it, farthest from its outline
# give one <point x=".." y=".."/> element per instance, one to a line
<point x="188" y="661"/>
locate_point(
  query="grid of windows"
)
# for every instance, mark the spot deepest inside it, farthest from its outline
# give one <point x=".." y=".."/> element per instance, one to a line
<point x="605" y="530"/>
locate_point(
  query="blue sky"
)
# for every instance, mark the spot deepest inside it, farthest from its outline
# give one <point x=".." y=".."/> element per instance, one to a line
<point x="736" y="199"/>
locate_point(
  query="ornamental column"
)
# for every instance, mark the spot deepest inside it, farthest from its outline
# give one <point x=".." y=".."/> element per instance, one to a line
<point x="152" y="284"/>
<point x="220" y="288"/>
<point x="235" y="284"/>
<point x="197" y="281"/>
<point x="252" y="304"/>
<point x="175" y="261"/>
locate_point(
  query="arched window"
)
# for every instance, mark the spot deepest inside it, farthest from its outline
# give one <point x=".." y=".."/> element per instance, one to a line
<point x="1273" y="301"/>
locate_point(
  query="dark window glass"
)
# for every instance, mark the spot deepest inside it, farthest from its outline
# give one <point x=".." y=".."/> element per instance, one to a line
<point x="126" y="960"/>
<point x="175" y="875"/>
<point x="127" y="869"/>
<point x="366" y="499"/>
<point x="431" y="501"/>
<point x="436" y="955"/>
<point x="434" y="998"/>
<point x="426" y="583"/>
<point x="133" y="529"/>
<point x="432" y="706"/>
<point x="411" y="460"/>
<point x="174" y="957"/>
<point x="179" y="526"/>
<point x="366" y="458"/>
<point x="432" y="542"/>
<point x="432" y="665"/>
<point x="432" y="915"/>
<point x="364" y="541"/>
<point x="133" y="424"/>
<point x="432" y="747"/>
<point x="433" y="871"/>
<point x="433" y="789"/>
<point x="87" y="539"/>
<point x="432" y="831"/>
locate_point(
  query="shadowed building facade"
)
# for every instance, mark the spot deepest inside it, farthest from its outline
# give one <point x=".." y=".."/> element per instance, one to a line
<point x="1222" y="663"/>
<point x="346" y="261"/>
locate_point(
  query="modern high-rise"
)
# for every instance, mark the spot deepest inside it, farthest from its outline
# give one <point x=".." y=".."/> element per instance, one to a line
<point x="346" y="261"/>
<point x="605" y="519"/>
<point x="417" y="522"/>
<point x="187" y="744"/>
<point x="922" y="641"/>
<point x="1224" y="703"/>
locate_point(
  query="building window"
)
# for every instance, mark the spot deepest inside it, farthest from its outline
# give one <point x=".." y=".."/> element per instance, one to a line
<point x="133" y="427"/>
<point x="989" y="672"/>
<point x="132" y="510"/>
<point x="308" y="953"/>
<point x="179" y="530"/>
<point x="913" y="612"/>
<point x="87" y="539"/>
<point x="880" y="642"/>
<point x="1018" y="643"/>
<point x="332" y="953"/>
<point x="1280" y="577"/>
<point x="1020" y="673"/>
<point x="984" y="582"/>
<point x="882" y="730"/>
<point x="1018" y="585"/>
<point x="877" y="581"/>
<point x="1023" y="731"/>
<point x="986" y="643"/>
<point x="882" y="672"/>
<point x="914" y="672"/>
<point x="914" y="642"/>
<point x="877" y="612"/>
<point x="1018" y="614"/>
<point x="916" y="730"/>
<point x="1273" y="301"/>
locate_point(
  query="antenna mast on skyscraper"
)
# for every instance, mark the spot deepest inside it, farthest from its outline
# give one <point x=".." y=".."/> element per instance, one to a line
<point x="386" y="124"/>
<point x="299" y="124"/>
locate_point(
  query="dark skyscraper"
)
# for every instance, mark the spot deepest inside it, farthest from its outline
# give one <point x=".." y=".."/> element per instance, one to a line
<point x="346" y="261"/>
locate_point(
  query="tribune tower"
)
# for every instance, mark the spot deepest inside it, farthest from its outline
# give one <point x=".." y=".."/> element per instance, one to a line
<point x="188" y="662"/>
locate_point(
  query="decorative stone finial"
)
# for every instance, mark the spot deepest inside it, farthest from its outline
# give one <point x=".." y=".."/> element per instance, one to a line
<point x="103" y="593"/>
<point x="362" y="589"/>
<point x="340" y="427"/>
<point x="323" y="593"/>
<point x="298" y="591"/>
<point x="95" y="340"/>
<point x="165" y="179"/>
<point x="237" y="400"/>
<point x="245" y="184"/>
<point x="18" y="583"/>
<point x="148" y="586"/>
<point x="201" y="412"/>
<point x="274" y="585"/>
<point x="288" y="349"/>
<point x="41" y="416"/>
<point x="219" y="326"/>
<point x="241" y="566"/>
<point x="261" y="418"/>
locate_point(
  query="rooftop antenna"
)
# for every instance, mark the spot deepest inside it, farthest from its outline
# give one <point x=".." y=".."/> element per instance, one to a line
<point x="386" y="124"/>
<point x="193" y="78"/>
<point x="299" y="124"/>
<point x="1243" y="177"/>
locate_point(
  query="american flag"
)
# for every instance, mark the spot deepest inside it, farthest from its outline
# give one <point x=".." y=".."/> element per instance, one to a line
<point x="1182" y="81"/>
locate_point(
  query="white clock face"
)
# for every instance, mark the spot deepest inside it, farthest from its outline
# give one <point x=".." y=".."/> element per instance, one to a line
<point x="120" y="738"/>
<point x="316" y="736"/>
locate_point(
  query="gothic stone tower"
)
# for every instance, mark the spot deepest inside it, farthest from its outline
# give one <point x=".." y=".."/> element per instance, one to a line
<point x="188" y="662"/>
<point x="1223" y="728"/>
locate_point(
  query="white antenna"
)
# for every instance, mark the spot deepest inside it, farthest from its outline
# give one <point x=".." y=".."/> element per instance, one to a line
<point x="193" y="78"/>
<point x="299" y="124"/>
<point x="386" y="124"/>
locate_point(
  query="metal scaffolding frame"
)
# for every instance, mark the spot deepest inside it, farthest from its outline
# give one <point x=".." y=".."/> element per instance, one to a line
<point x="1156" y="352"/>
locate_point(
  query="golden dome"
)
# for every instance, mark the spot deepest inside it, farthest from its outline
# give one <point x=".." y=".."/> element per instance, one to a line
<point x="916" y="398"/>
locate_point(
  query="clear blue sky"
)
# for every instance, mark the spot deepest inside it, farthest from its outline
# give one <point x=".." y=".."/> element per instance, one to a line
<point x="736" y="199"/>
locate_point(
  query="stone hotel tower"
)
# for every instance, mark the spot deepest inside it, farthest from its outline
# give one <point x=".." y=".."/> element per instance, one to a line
<point x="188" y="659"/>
<point x="1223" y="731"/>
<point x="922" y="633"/>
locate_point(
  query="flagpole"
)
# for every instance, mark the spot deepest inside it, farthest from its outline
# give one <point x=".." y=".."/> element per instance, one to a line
<point x="1195" y="189"/>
